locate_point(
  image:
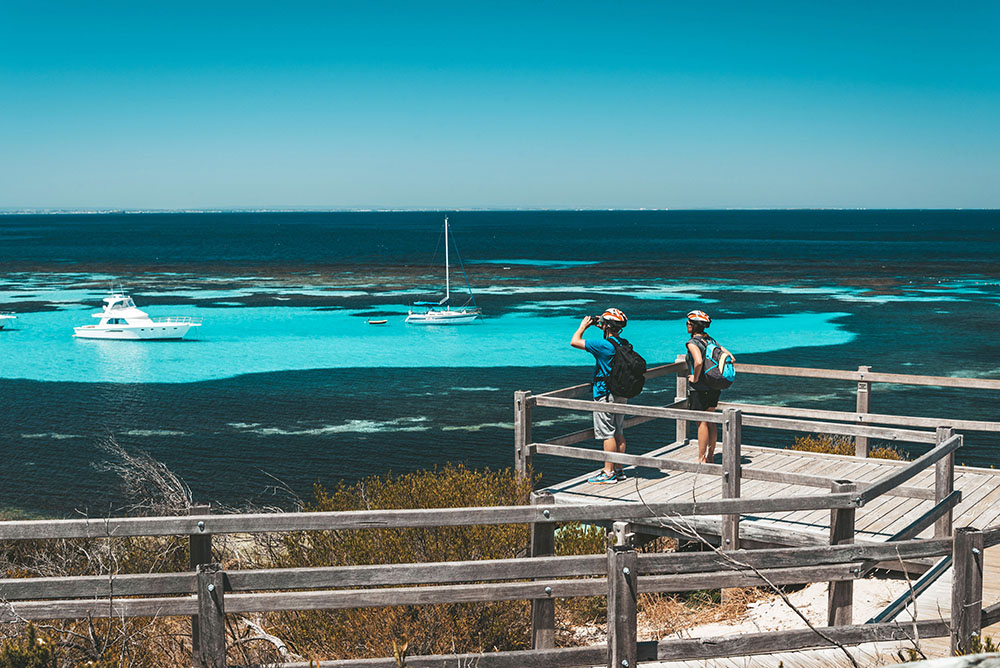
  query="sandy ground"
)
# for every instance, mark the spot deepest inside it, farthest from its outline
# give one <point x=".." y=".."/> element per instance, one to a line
<point x="871" y="595"/>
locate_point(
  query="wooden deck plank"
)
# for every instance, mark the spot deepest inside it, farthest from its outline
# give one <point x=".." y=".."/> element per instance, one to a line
<point x="877" y="520"/>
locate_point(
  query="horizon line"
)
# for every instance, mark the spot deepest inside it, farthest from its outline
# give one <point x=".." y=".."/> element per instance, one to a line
<point x="13" y="211"/>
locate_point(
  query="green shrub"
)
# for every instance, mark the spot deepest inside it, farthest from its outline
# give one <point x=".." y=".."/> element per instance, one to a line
<point x="428" y="629"/>
<point x="28" y="651"/>
<point x="843" y="445"/>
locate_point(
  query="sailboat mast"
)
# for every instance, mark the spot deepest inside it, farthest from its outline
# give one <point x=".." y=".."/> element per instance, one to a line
<point x="447" y="268"/>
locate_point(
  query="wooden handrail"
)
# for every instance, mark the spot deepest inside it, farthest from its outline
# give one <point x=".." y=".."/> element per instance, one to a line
<point x="866" y="418"/>
<point x="880" y="487"/>
<point x="666" y="464"/>
<point x="399" y="519"/>
<point x="871" y="377"/>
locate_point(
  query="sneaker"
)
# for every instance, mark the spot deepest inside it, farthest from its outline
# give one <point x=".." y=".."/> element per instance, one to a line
<point x="603" y="478"/>
<point x="620" y="475"/>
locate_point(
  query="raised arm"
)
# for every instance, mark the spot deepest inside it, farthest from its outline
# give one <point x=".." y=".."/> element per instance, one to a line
<point x="577" y="340"/>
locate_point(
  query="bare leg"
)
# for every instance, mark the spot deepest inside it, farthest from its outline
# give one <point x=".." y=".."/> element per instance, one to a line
<point x="619" y="447"/>
<point x="610" y="445"/>
<point x="707" y="433"/>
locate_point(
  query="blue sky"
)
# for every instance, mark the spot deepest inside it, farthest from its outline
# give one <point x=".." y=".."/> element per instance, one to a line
<point x="515" y="104"/>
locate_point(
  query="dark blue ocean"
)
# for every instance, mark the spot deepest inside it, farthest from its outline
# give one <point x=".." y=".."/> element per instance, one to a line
<point x="285" y="384"/>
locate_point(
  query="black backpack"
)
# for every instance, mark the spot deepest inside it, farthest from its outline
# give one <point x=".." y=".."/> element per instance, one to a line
<point x="628" y="370"/>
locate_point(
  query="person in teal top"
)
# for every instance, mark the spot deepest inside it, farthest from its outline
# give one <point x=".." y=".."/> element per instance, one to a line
<point x="608" y="427"/>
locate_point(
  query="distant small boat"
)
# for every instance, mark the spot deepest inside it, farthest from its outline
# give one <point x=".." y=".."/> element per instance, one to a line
<point x="377" y="322"/>
<point x="5" y="317"/>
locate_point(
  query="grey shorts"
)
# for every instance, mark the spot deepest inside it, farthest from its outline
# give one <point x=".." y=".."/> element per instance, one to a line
<point x="607" y="425"/>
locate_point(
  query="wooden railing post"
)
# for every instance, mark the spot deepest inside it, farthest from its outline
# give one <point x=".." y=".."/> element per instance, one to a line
<point x="522" y="433"/>
<point x="211" y="616"/>
<point x="681" y="395"/>
<point x="732" y="439"/>
<point x="543" y="610"/>
<point x="966" y="589"/>
<point x="864" y="406"/>
<point x="840" y="600"/>
<point x="944" y="483"/>
<point x="623" y="564"/>
<point x="199" y="552"/>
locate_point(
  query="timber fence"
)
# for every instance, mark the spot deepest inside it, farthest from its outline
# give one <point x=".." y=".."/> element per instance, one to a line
<point x="210" y="592"/>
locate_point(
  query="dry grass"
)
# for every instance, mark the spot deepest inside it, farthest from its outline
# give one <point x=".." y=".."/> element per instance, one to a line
<point x="664" y="614"/>
<point x="844" y="445"/>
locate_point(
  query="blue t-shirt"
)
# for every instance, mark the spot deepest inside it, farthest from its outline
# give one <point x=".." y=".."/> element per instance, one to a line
<point x="603" y="352"/>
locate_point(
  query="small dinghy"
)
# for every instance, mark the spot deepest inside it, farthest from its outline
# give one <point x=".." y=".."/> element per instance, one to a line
<point x="377" y="322"/>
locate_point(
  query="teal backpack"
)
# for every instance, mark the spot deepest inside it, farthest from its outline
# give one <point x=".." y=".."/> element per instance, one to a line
<point x="718" y="370"/>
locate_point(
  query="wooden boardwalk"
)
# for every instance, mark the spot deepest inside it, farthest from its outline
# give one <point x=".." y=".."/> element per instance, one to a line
<point x="875" y="522"/>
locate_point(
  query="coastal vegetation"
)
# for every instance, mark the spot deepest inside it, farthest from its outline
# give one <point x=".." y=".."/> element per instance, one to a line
<point x="844" y="445"/>
<point x="334" y="634"/>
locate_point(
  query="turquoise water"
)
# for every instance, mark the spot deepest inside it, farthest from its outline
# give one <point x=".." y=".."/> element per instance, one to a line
<point x="247" y="340"/>
<point x="286" y="381"/>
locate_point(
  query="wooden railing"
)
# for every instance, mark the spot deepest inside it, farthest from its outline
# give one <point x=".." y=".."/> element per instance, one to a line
<point x="211" y="592"/>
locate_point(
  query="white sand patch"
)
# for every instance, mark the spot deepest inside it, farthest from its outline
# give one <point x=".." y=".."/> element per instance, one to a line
<point x="871" y="596"/>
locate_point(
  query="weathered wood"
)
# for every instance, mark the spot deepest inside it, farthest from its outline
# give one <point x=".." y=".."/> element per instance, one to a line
<point x="375" y="598"/>
<point x="884" y="433"/>
<point x="944" y="483"/>
<point x="98" y="586"/>
<point x="211" y="616"/>
<point x="304" y="600"/>
<point x="99" y="608"/>
<point x="522" y="432"/>
<point x="896" y="378"/>
<point x="840" y="599"/>
<point x="162" y="584"/>
<point x="913" y="591"/>
<point x="732" y="578"/>
<point x="806" y="480"/>
<point x="863" y="405"/>
<point x="622" y="606"/>
<point x="199" y="553"/>
<point x="660" y="463"/>
<point x="748" y="644"/>
<point x="930" y="517"/>
<point x="966" y="589"/>
<point x="861" y="418"/>
<point x="991" y="615"/>
<point x="382" y="519"/>
<point x="991" y="536"/>
<point x="568" y="657"/>
<point x="630" y="409"/>
<point x="584" y="388"/>
<point x="588" y="434"/>
<point x="876" y="490"/>
<point x="681" y="426"/>
<point x="792" y="557"/>
<point x="543" y="610"/>
<point x="732" y="439"/>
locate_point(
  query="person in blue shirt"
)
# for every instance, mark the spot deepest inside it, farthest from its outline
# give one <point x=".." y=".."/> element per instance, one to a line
<point x="608" y="427"/>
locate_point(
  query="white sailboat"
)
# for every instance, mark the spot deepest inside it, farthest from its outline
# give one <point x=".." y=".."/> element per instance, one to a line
<point x="442" y="313"/>
<point x="6" y="317"/>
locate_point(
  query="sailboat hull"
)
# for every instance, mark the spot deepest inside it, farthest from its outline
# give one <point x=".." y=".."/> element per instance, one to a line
<point x="443" y="317"/>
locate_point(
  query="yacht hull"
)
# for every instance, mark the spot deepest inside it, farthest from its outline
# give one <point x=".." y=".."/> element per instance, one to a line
<point x="125" y="333"/>
<point x="443" y="318"/>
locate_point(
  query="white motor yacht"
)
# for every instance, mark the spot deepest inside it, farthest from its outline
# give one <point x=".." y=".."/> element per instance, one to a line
<point x="121" y="320"/>
<point x="6" y="317"/>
